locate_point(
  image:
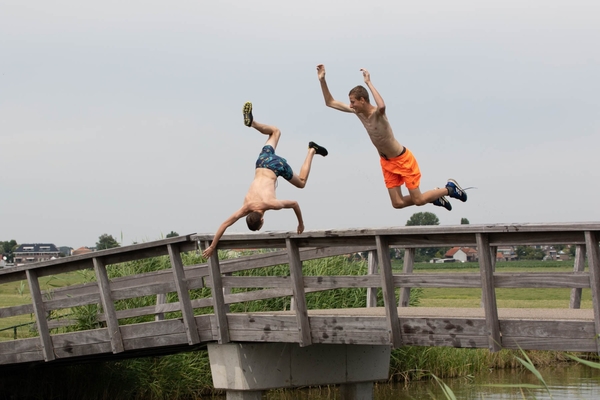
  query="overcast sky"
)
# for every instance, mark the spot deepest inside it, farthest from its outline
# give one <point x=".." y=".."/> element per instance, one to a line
<point x="124" y="117"/>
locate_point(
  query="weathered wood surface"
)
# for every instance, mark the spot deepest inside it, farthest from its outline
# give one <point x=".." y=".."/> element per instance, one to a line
<point x="417" y="236"/>
<point x="549" y="329"/>
<point x="178" y="329"/>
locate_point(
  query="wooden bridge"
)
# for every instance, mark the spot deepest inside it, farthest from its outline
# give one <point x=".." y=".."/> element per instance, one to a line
<point x="176" y="326"/>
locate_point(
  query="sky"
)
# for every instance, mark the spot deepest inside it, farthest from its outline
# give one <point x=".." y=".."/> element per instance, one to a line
<point x="125" y="117"/>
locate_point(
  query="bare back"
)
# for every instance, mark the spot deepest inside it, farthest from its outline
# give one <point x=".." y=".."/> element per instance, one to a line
<point x="261" y="193"/>
<point x="380" y="132"/>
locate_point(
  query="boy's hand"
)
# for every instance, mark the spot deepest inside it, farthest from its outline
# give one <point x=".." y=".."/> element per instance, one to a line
<point x="300" y="228"/>
<point x="208" y="252"/>
<point x="366" y="75"/>
<point x="321" y="72"/>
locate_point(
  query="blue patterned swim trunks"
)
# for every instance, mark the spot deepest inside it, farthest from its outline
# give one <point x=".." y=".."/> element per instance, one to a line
<point x="268" y="159"/>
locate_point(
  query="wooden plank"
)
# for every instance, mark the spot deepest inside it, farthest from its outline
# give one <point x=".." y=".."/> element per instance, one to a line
<point x="407" y="268"/>
<point x="542" y="280"/>
<point x="457" y="341"/>
<point x="21" y="346"/>
<point x="372" y="269"/>
<point x="568" y="329"/>
<point x="593" y="257"/>
<point x="458" y="280"/>
<point x="74" y="351"/>
<point x="551" y="344"/>
<point x="431" y="240"/>
<point x="304" y="338"/>
<point x="528" y="238"/>
<point x="488" y="293"/>
<point x="389" y="293"/>
<point x="183" y="294"/>
<point x="217" y="296"/>
<point x="258" y="295"/>
<point x="265" y="336"/>
<point x="443" y="326"/>
<point x="16" y="310"/>
<point x="578" y="267"/>
<point x="523" y="233"/>
<point x="147" y="290"/>
<point x="263" y="322"/>
<point x="116" y="341"/>
<point x="40" y="315"/>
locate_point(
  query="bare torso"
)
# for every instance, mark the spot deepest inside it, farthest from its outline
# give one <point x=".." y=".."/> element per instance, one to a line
<point x="261" y="193"/>
<point x="380" y="132"/>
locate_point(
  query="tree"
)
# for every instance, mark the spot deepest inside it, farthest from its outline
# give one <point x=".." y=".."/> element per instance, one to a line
<point x="529" y="253"/>
<point x="420" y="219"/>
<point x="7" y="248"/>
<point x="106" y="241"/>
<point x="464" y="221"/>
<point x="172" y="234"/>
<point x="423" y="218"/>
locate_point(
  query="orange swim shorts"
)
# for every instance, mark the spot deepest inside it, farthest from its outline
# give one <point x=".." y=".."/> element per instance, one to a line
<point x="400" y="170"/>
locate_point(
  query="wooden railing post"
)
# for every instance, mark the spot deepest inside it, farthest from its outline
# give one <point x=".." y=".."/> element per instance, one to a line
<point x="297" y="278"/>
<point x="214" y="274"/>
<point x="389" y="292"/>
<point x="112" y="323"/>
<point x="372" y="270"/>
<point x="161" y="298"/>
<point x="593" y="256"/>
<point x="578" y="266"/>
<point x="407" y="268"/>
<point x="185" y="303"/>
<point x="488" y="292"/>
<point x="40" y="315"/>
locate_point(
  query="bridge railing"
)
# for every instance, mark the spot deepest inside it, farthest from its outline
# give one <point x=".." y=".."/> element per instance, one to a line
<point x="114" y="335"/>
<point x="485" y="238"/>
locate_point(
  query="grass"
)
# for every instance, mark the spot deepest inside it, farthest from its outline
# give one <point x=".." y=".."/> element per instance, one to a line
<point x="17" y="293"/>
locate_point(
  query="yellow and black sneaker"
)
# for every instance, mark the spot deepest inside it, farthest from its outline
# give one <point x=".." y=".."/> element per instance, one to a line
<point x="247" y="110"/>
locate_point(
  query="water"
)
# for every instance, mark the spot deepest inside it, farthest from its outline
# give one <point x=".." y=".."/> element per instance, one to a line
<point x="565" y="382"/>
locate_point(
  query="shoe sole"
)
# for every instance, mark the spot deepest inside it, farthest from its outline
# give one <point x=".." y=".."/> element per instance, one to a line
<point x="247" y="110"/>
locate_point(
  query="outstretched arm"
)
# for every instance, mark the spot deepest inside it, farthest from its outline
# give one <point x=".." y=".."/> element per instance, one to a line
<point x="376" y="96"/>
<point x="228" y="222"/>
<point x="296" y="207"/>
<point x="329" y="100"/>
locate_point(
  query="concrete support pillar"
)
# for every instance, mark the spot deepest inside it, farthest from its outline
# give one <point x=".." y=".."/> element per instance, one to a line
<point x="357" y="391"/>
<point x="244" y="370"/>
<point x="244" y="395"/>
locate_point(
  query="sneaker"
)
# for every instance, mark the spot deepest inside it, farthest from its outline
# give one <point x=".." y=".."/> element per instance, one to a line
<point x="455" y="191"/>
<point x="322" y="151"/>
<point x="442" y="202"/>
<point x="247" y="110"/>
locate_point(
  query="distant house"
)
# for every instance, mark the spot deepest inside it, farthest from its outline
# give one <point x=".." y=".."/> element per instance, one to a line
<point x="36" y="252"/>
<point x="506" y="253"/>
<point x="65" y="250"/>
<point x="462" y="254"/>
<point x="81" y="250"/>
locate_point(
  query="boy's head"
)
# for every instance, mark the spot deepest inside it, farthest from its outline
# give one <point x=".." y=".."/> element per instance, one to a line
<point x="255" y="221"/>
<point x="359" y="97"/>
